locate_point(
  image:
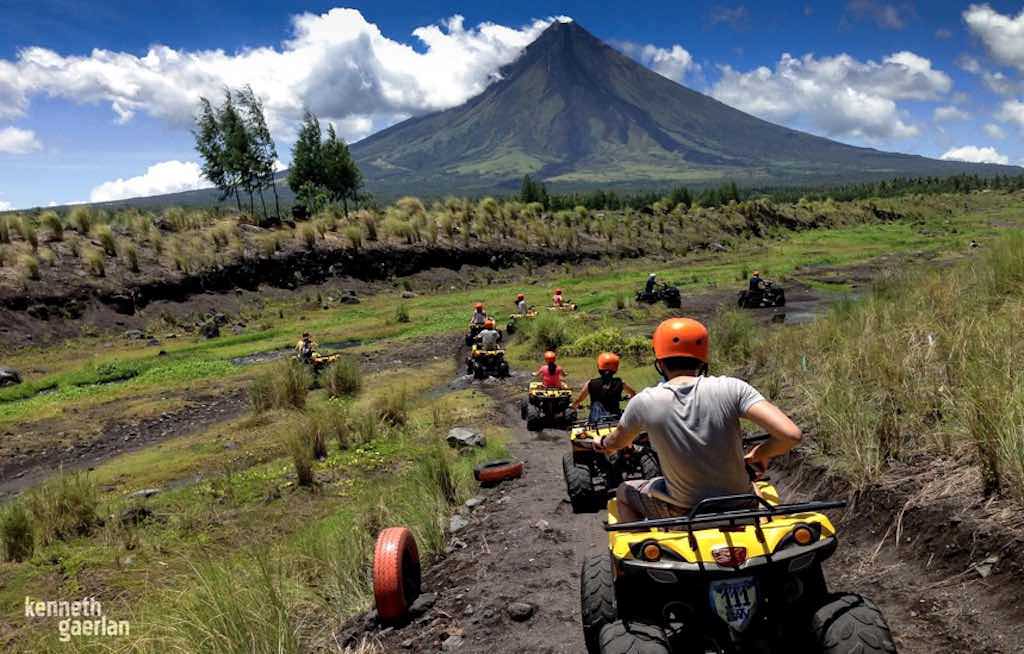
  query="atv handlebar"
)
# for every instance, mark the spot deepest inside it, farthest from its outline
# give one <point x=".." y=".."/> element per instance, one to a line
<point x="695" y="517"/>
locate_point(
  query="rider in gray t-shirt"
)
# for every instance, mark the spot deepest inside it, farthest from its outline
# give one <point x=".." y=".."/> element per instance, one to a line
<point x="693" y="422"/>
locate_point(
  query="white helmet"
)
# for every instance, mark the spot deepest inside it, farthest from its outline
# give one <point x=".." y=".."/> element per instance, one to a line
<point x="652" y="275"/>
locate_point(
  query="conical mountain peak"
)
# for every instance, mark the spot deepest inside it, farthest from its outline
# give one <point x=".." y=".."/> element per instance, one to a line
<point x="577" y="113"/>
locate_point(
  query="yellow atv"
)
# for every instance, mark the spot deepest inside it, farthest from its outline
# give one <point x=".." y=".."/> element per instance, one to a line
<point x="566" y="307"/>
<point x="736" y="574"/>
<point x="318" y="361"/>
<point x="487" y="363"/>
<point x="547" y="408"/>
<point x="511" y="326"/>
<point x="590" y="475"/>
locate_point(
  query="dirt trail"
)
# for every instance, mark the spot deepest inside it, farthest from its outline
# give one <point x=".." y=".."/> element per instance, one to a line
<point x="524" y="544"/>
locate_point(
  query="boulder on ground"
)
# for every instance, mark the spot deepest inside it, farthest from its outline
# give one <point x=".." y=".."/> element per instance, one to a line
<point x="9" y="377"/>
<point x="465" y="437"/>
<point x="134" y="335"/>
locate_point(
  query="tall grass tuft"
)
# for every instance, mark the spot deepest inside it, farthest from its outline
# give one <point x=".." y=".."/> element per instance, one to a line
<point x="64" y="507"/>
<point x="51" y="221"/>
<point x="393" y="408"/>
<point x="301" y="449"/>
<point x="283" y="385"/>
<point x="93" y="260"/>
<point x="105" y="235"/>
<point x="131" y="256"/>
<point x="402" y="313"/>
<point x="17" y="539"/>
<point x="29" y="266"/>
<point x="81" y="219"/>
<point x="343" y="377"/>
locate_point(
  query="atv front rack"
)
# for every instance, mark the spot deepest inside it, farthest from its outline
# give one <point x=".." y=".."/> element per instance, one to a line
<point x="701" y="515"/>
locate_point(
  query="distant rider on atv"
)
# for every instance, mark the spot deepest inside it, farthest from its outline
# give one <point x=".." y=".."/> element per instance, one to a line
<point x="521" y="304"/>
<point x="551" y="374"/>
<point x="557" y="300"/>
<point x="651" y="281"/>
<point x="489" y="337"/>
<point x="479" y="315"/>
<point x="756" y="283"/>
<point x="305" y="347"/>
<point x="693" y="421"/>
<point x="605" y="391"/>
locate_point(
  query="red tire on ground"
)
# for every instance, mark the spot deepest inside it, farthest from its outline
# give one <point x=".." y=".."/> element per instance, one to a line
<point x="396" y="573"/>
<point x="493" y="472"/>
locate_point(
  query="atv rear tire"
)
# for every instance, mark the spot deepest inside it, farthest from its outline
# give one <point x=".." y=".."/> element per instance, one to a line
<point x="847" y="623"/>
<point x="578" y="484"/>
<point x="597" y="599"/>
<point x="510" y="328"/>
<point x="524" y="410"/>
<point x="634" y="638"/>
<point x="534" y="419"/>
<point x="494" y="472"/>
<point x="503" y="370"/>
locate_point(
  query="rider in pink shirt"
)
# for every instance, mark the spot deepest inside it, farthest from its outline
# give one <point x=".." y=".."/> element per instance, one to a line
<point x="557" y="300"/>
<point x="551" y="374"/>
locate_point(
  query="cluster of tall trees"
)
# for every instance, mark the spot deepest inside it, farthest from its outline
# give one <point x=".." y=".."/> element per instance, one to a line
<point x="322" y="169"/>
<point x="237" y="150"/>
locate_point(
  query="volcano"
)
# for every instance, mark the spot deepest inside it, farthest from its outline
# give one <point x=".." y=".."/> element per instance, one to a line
<point x="576" y="113"/>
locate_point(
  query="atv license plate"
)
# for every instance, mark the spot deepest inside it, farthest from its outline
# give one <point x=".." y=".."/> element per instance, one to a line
<point x="734" y="600"/>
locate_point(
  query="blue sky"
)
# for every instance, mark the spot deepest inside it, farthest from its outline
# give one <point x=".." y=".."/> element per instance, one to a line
<point x="96" y="98"/>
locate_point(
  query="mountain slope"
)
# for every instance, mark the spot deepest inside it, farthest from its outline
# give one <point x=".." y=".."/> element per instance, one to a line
<point x="575" y="112"/>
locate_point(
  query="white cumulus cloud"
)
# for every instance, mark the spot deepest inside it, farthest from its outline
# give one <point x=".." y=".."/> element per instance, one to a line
<point x="337" y="64"/>
<point x="164" y="177"/>
<point x="674" y="63"/>
<point x="5" y="206"/>
<point x="837" y="96"/>
<point x="1002" y="35"/>
<point x="995" y="131"/>
<point x="14" y="140"/>
<point x="974" y="154"/>
<point x="1012" y="111"/>
<point x="949" y="112"/>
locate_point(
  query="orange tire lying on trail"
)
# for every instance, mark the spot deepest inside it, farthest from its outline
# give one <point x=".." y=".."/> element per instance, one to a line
<point x="396" y="573"/>
<point x="493" y="472"/>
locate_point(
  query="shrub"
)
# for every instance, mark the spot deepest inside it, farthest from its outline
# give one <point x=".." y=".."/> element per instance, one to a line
<point x="51" y="221"/>
<point x="105" y="235"/>
<point x="402" y="313"/>
<point x="93" y="260"/>
<point x="29" y="233"/>
<point x="609" y="339"/>
<point x="261" y="393"/>
<point x="29" y="266"/>
<point x="64" y="507"/>
<point x="47" y="256"/>
<point x="315" y="429"/>
<point x="81" y="219"/>
<point x="284" y="385"/>
<point x="16" y="537"/>
<point x="549" y="331"/>
<point x="343" y="377"/>
<point x="5" y="229"/>
<point x="733" y="340"/>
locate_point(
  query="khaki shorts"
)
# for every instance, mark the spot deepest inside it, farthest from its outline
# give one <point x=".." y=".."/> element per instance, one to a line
<point x="642" y="496"/>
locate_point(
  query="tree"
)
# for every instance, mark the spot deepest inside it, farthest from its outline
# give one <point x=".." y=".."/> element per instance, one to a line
<point x="263" y="149"/>
<point x="239" y="157"/>
<point x="210" y="145"/>
<point x="342" y="177"/>
<point x="307" y="168"/>
<point x="533" y="191"/>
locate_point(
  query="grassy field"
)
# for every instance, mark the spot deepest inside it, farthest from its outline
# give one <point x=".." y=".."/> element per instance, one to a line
<point x="235" y="528"/>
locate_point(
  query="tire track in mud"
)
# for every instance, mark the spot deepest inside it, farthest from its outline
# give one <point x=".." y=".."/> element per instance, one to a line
<point x="524" y="544"/>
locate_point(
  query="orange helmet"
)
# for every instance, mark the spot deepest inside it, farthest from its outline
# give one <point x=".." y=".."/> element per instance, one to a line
<point x="479" y="306"/>
<point x="489" y="323"/>
<point x="681" y="337"/>
<point x="608" y="361"/>
<point x="549" y="357"/>
<point x="520" y="296"/>
<point x="558" y="291"/>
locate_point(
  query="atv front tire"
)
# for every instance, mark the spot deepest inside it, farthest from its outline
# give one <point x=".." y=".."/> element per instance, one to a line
<point x="597" y="599"/>
<point x="578" y="484"/>
<point x="633" y="638"/>
<point x="510" y="328"/>
<point x="847" y="623"/>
